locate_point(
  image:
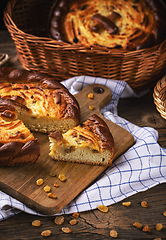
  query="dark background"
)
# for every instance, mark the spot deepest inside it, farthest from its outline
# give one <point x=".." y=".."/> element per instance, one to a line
<point x="3" y="4"/>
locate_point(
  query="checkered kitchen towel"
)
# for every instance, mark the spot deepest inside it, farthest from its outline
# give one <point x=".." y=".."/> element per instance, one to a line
<point x="140" y="168"/>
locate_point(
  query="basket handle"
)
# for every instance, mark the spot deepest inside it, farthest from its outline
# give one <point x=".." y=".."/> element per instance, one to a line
<point x="162" y="45"/>
<point x="8" y="21"/>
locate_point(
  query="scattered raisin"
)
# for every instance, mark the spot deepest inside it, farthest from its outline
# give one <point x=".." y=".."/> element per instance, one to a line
<point x="164" y="213"/>
<point x="39" y="182"/>
<point x="46" y="233"/>
<point x="159" y="226"/>
<point x="113" y="234"/>
<point x="51" y="195"/>
<point x="52" y="174"/>
<point x="90" y="95"/>
<point x="103" y="208"/>
<point x="56" y="185"/>
<point x="62" y="177"/>
<point x="36" y="223"/>
<point x="73" y="222"/>
<point x="146" y="229"/>
<point x="66" y="230"/>
<point x="59" y="220"/>
<point x="144" y="204"/>
<point x="91" y="107"/>
<point x="126" y="204"/>
<point x="137" y="225"/>
<point x="75" y="215"/>
<point x="47" y="189"/>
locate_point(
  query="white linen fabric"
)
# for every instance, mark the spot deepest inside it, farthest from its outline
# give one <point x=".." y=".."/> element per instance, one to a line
<point x="140" y="168"/>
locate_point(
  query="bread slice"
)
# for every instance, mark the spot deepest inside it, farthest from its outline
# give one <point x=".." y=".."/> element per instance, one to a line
<point x="31" y="102"/>
<point x="89" y="143"/>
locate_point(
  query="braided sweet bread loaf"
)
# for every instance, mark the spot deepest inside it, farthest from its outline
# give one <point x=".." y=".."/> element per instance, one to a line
<point x="122" y="24"/>
<point x="31" y="102"/>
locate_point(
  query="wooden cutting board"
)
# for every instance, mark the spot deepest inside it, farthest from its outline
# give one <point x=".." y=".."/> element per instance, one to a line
<point x="20" y="182"/>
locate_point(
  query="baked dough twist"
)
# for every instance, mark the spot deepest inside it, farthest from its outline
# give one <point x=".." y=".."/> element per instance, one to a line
<point x="122" y="24"/>
<point x="31" y="102"/>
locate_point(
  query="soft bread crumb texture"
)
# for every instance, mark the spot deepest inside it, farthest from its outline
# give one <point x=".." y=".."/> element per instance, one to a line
<point x="79" y="154"/>
<point x="45" y="124"/>
<point x="90" y="143"/>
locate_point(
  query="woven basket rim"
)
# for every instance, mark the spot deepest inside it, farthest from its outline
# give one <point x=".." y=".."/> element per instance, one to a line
<point x="73" y="47"/>
<point x="141" y="69"/>
<point x="159" y="96"/>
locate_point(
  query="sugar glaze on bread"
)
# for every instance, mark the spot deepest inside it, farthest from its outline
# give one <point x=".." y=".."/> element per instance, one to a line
<point x="89" y="143"/>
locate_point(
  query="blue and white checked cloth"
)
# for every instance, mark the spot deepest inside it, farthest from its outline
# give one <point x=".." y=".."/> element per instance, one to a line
<point x="140" y="168"/>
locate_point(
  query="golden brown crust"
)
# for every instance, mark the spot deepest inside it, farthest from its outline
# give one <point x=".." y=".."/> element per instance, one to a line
<point x="91" y="143"/>
<point x="125" y="24"/>
<point x="98" y="127"/>
<point x="101" y="131"/>
<point x="19" y="154"/>
<point x="17" y="87"/>
<point x="63" y="104"/>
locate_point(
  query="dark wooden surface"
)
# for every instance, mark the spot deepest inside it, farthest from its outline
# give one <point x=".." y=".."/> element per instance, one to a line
<point x="94" y="224"/>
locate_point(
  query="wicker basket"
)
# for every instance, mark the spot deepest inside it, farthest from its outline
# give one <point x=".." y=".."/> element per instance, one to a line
<point x="159" y="96"/>
<point x="27" y="21"/>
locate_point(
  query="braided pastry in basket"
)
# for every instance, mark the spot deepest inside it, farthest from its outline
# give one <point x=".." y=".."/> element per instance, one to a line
<point x="123" y="24"/>
<point x="31" y="102"/>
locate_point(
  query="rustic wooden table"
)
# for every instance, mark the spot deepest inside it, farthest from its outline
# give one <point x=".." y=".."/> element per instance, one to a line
<point x="95" y="224"/>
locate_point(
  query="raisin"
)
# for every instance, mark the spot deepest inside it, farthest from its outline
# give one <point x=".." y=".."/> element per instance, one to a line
<point x="103" y="208"/>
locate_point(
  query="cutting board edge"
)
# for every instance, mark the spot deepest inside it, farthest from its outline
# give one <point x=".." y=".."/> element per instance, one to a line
<point x="42" y="209"/>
